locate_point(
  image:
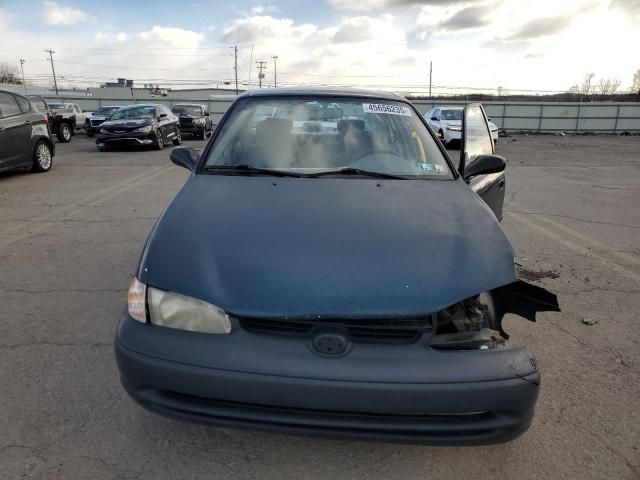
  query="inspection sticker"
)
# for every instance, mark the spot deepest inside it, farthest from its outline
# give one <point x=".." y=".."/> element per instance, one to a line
<point x="386" y="108"/>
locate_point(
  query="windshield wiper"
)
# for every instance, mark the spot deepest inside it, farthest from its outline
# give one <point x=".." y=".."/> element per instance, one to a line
<point x="357" y="171"/>
<point x="244" y="168"/>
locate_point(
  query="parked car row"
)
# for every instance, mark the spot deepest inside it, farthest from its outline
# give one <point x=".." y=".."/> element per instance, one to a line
<point x="151" y="125"/>
<point x="25" y="136"/>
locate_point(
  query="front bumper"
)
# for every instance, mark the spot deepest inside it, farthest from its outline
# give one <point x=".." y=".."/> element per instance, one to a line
<point x="399" y="393"/>
<point x="126" y="139"/>
<point x="191" y="129"/>
<point x="451" y="136"/>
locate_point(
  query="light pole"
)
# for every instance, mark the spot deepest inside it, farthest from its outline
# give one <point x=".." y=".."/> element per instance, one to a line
<point x="24" y="85"/>
<point x="275" y="70"/>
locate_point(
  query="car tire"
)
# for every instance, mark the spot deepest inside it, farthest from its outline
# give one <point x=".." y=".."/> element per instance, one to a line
<point x="64" y="133"/>
<point x="42" y="157"/>
<point x="90" y="134"/>
<point x="178" y="139"/>
<point x="159" y="145"/>
<point x="88" y="131"/>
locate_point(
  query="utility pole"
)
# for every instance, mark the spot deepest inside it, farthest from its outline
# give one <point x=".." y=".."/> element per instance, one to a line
<point x="261" y="66"/>
<point x="430" y="74"/>
<point x="24" y="85"/>
<point x="55" y="82"/>
<point x="235" y="53"/>
<point x="275" y="71"/>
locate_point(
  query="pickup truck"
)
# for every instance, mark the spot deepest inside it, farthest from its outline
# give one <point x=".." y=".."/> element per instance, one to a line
<point x="62" y="121"/>
<point x="81" y="117"/>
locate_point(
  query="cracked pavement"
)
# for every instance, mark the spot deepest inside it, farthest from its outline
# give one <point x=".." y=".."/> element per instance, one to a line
<point x="70" y="240"/>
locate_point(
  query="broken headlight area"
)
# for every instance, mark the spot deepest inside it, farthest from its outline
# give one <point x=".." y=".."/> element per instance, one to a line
<point x="476" y="322"/>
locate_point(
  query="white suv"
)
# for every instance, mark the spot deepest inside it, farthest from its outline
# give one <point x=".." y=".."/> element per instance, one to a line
<point x="447" y="123"/>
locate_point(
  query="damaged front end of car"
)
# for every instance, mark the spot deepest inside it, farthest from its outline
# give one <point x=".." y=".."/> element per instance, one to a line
<point x="476" y="322"/>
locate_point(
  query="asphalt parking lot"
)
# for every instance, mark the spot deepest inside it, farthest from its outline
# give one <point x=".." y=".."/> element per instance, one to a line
<point x="70" y="240"/>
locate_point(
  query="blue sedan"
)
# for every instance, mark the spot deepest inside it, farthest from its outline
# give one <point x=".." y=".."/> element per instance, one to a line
<point x="326" y="270"/>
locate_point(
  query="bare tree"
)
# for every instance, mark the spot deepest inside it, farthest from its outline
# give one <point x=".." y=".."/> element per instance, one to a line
<point x="9" y="73"/>
<point x="608" y="86"/>
<point x="635" y="86"/>
<point x="587" y="83"/>
<point x="574" y="88"/>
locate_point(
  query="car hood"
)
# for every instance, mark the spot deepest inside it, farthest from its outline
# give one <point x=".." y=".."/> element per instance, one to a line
<point x="128" y="123"/>
<point x="329" y="247"/>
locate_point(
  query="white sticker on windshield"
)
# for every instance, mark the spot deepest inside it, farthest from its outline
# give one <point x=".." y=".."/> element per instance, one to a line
<point x="386" y="108"/>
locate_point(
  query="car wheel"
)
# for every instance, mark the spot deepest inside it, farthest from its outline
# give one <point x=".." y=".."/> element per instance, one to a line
<point x="159" y="145"/>
<point x="178" y="139"/>
<point x="42" y="157"/>
<point x="64" y="133"/>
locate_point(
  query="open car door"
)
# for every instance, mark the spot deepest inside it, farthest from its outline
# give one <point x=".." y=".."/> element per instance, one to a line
<point x="476" y="145"/>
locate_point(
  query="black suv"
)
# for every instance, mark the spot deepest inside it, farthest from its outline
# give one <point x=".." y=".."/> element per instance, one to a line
<point x="194" y="119"/>
<point x="144" y="124"/>
<point x="25" y="141"/>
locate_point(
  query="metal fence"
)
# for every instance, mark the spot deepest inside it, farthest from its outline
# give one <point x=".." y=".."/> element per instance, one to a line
<point x="597" y="117"/>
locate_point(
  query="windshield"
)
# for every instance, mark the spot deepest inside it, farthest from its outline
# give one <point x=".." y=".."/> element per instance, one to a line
<point x="134" y="112"/>
<point x="452" y="114"/>
<point x="314" y="135"/>
<point x="191" y="110"/>
<point x="105" y="111"/>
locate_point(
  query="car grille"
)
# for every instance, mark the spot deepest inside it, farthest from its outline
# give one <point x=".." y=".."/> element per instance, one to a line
<point x="402" y="330"/>
<point x="95" y="123"/>
<point x="186" y="121"/>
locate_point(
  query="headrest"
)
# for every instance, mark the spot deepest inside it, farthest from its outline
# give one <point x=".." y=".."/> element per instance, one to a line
<point x="345" y="123"/>
<point x="273" y="128"/>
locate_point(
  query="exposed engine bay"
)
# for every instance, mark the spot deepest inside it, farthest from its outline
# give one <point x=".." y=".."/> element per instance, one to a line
<point x="476" y="322"/>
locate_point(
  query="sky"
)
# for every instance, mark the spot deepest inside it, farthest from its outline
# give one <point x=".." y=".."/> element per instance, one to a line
<point x="474" y="45"/>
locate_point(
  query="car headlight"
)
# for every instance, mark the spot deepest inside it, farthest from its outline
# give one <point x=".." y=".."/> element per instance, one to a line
<point x="198" y="121"/>
<point x="103" y="130"/>
<point x="173" y="310"/>
<point x="455" y="129"/>
<point x="144" y="129"/>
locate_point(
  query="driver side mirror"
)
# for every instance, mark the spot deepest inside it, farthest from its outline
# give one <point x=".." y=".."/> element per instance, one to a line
<point x="185" y="157"/>
<point x="485" y="164"/>
<point x="162" y="115"/>
<point x="435" y="119"/>
<point x="206" y="114"/>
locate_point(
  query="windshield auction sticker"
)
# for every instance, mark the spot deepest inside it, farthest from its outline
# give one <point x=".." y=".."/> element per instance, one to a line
<point x="386" y="108"/>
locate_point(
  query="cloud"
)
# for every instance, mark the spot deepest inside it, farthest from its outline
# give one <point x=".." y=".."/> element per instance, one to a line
<point x="629" y="7"/>
<point x="368" y="5"/>
<point x="470" y="17"/>
<point x="258" y="28"/>
<point x="172" y="36"/>
<point x="107" y="38"/>
<point x="403" y="62"/>
<point x="262" y="9"/>
<point x="355" y="30"/>
<point x="540" y="27"/>
<point x="55" y="14"/>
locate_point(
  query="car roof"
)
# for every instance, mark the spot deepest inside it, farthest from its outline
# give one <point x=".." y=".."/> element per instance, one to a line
<point x="188" y="104"/>
<point x="451" y="107"/>
<point x="321" y="92"/>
